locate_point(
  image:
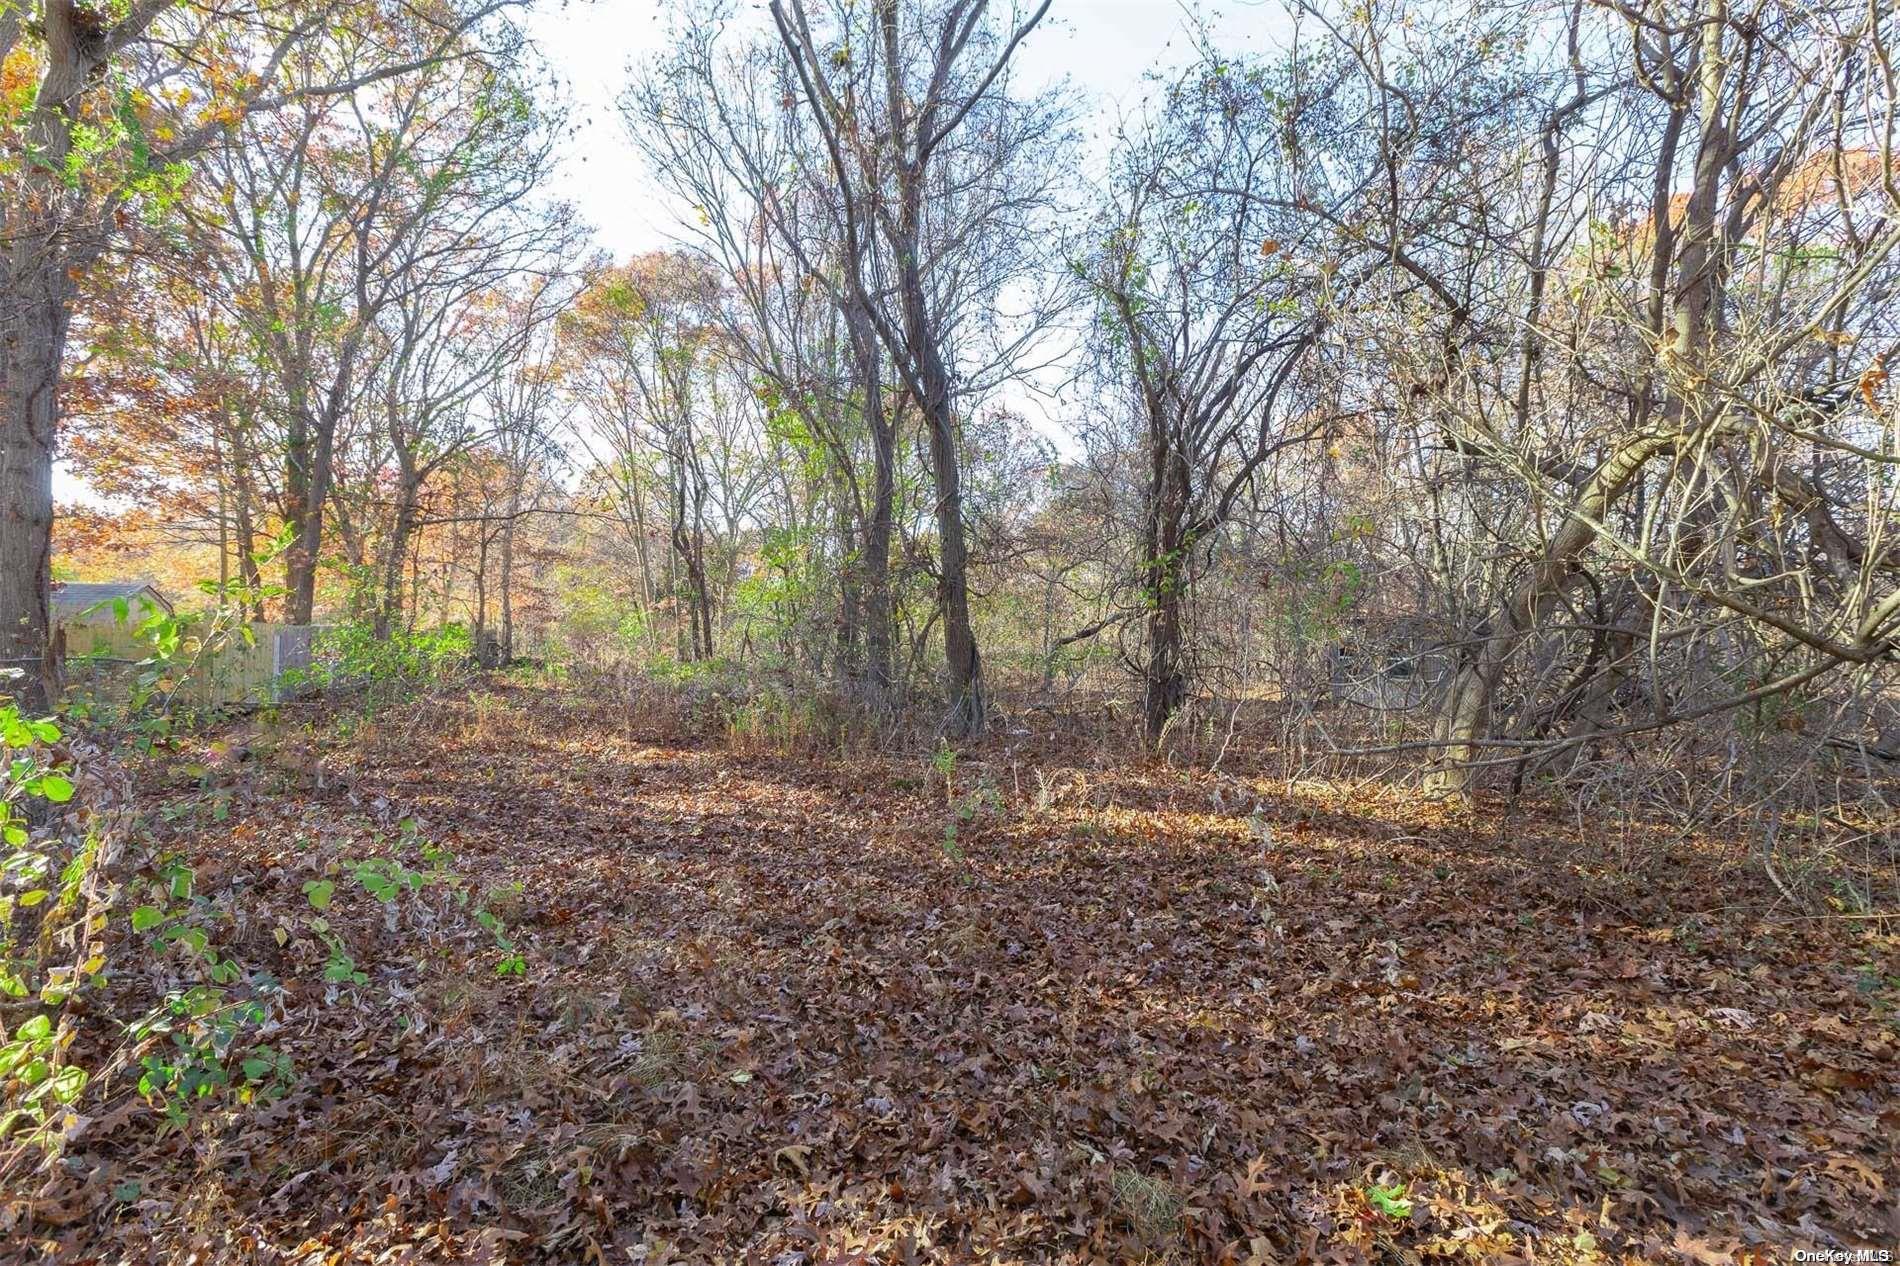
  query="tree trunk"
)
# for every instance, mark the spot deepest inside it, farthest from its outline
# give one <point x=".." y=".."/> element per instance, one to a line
<point x="33" y="322"/>
<point x="508" y="579"/>
<point x="968" y="703"/>
<point x="1165" y="581"/>
<point x="224" y="515"/>
<point x="850" y="589"/>
<point x="415" y="592"/>
<point x="686" y="632"/>
<point x="50" y="232"/>
<point x="308" y="454"/>
<point x="696" y="569"/>
<point x="1465" y="717"/>
<point x="399" y="534"/>
<point x="481" y="587"/>
<point x="635" y="502"/>
<point x="299" y="558"/>
<point x="243" y="496"/>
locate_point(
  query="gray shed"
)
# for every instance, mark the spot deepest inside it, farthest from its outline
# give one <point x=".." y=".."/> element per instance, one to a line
<point x="71" y="599"/>
<point x="1390" y="663"/>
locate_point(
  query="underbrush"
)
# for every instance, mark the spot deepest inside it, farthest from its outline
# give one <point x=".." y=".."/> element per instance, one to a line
<point x="138" y="976"/>
<point x="1821" y="833"/>
<point x="748" y="710"/>
<point x="349" y="661"/>
<point x="219" y="987"/>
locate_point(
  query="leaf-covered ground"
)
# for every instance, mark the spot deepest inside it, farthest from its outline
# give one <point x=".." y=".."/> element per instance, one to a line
<point x="1130" y="1014"/>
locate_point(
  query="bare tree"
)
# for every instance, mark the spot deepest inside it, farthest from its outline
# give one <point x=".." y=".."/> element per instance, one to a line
<point x="1646" y="261"/>
<point x="1210" y="296"/>
<point x="476" y="271"/>
<point x="640" y="344"/>
<point x="935" y="163"/>
<point x="719" y="126"/>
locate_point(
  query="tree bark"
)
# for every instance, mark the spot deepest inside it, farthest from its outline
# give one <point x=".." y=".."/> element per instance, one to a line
<point x="508" y="578"/>
<point x="481" y="587"/>
<point x="309" y="454"/>
<point x="850" y="628"/>
<point x="695" y="641"/>
<point x="49" y="233"/>
<point x="34" y="334"/>
<point x="1165" y="581"/>
<point x="968" y="701"/>
<point x="407" y="493"/>
<point x="1465" y="717"/>
<point x="244" y="495"/>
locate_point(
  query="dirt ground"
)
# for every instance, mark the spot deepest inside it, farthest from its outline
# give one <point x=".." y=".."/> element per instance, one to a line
<point x="774" y="1009"/>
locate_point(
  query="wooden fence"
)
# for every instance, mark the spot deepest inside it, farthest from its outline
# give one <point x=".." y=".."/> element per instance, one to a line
<point x="102" y="657"/>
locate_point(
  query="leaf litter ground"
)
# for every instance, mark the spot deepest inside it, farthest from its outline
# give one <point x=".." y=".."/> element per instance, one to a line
<point x="1130" y="1014"/>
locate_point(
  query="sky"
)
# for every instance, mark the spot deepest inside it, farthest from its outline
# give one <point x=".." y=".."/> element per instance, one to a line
<point x="1103" y="48"/>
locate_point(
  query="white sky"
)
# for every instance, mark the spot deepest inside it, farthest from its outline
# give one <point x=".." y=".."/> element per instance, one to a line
<point x="1103" y="47"/>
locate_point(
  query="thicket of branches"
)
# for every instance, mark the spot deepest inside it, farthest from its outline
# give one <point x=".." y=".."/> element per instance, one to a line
<point x="1497" y="393"/>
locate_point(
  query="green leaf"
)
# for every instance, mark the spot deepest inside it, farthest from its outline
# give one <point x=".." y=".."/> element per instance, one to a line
<point x="56" y="787"/>
<point x="68" y="1083"/>
<point x="319" y="891"/>
<point x="10" y="1119"/>
<point x="1390" y="1201"/>
<point x="37" y="1027"/>
<point x="145" y="918"/>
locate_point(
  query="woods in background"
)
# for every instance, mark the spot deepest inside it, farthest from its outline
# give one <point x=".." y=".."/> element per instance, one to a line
<point x="1496" y="392"/>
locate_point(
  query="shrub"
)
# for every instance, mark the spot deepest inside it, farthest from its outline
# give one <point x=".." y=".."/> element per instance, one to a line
<point x="350" y="656"/>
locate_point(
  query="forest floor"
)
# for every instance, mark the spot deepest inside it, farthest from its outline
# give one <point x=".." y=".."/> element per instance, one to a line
<point x="769" y="1012"/>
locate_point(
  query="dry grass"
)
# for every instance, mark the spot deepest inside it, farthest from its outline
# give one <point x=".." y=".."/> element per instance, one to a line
<point x="659" y="1060"/>
<point x="1151" y="1206"/>
<point x="528" y="1181"/>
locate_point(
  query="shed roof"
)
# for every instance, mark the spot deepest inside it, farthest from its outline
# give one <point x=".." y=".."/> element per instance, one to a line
<point x="73" y="598"/>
